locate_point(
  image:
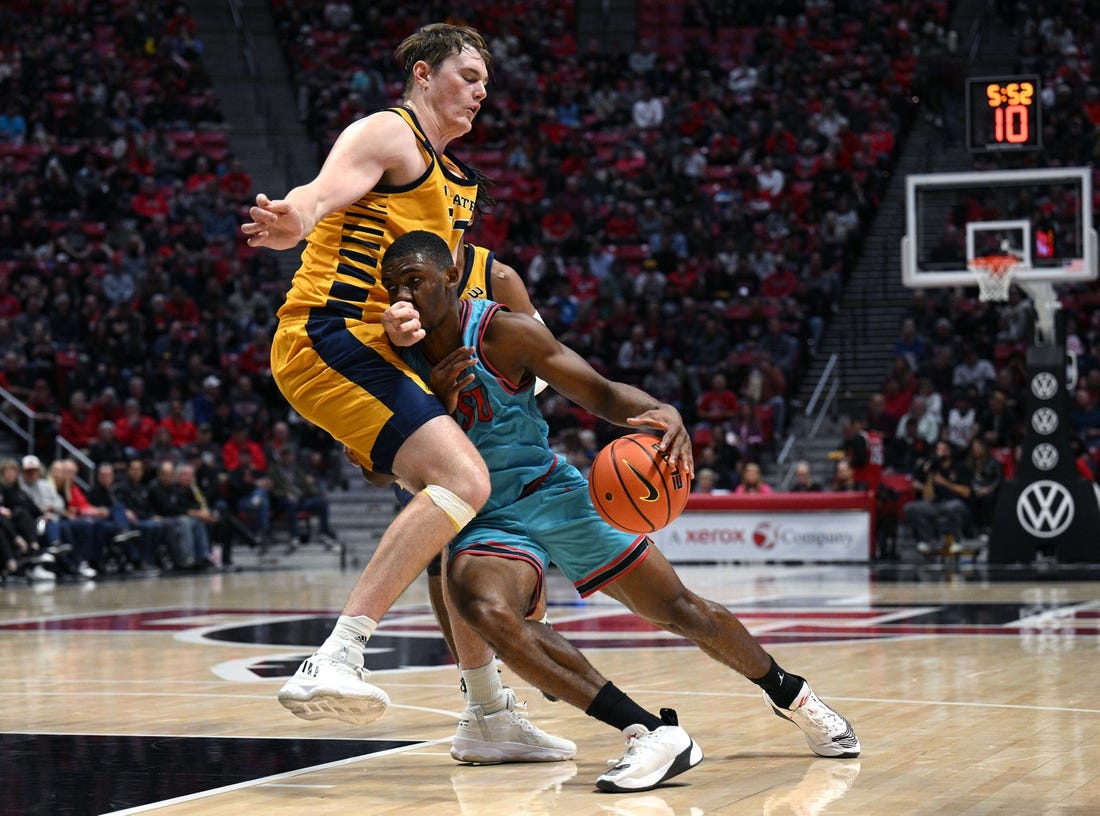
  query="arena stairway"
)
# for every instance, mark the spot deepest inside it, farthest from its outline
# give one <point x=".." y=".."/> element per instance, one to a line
<point x="242" y="56"/>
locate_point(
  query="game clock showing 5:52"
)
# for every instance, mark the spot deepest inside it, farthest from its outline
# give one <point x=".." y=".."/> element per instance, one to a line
<point x="1003" y="113"/>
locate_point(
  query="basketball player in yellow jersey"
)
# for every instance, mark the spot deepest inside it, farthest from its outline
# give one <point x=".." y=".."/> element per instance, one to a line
<point x="385" y="175"/>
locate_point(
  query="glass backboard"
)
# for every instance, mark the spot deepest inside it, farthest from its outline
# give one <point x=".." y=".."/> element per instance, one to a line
<point x="1043" y="217"/>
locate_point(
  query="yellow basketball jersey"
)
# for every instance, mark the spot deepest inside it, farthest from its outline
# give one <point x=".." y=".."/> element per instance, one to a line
<point x="477" y="279"/>
<point x="339" y="272"/>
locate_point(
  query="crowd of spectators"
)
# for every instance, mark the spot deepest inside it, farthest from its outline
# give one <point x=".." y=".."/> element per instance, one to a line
<point x="177" y="509"/>
<point x="134" y="320"/>
<point x="686" y="210"/>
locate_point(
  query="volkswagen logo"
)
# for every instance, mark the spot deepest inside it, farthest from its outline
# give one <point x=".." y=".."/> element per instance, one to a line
<point x="1045" y="456"/>
<point x="1044" y="385"/>
<point x="1045" y="509"/>
<point x="1045" y="421"/>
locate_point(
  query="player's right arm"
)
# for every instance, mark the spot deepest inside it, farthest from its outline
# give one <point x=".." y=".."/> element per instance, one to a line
<point x="381" y="145"/>
<point x="509" y="289"/>
<point x="516" y="344"/>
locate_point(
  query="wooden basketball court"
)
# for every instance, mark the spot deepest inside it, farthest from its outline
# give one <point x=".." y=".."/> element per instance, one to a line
<point x="972" y="693"/>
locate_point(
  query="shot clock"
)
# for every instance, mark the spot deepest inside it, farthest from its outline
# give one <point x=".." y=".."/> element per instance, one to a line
<point x="1003" y="113"/>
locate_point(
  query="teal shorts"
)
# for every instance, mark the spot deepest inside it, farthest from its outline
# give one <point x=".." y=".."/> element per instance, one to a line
<point x="555" y="523"/>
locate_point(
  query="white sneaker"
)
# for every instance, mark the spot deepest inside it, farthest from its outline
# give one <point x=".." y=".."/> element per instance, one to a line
<point x="85" y="571"/>
<point x="505" y="736"/>
<point x="827" y="733"/>
<point x="40" y="573"/>
<point x="325" y="686"/>
<point x="651" y="757"/>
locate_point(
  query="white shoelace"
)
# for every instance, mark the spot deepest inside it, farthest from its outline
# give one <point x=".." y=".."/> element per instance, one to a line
<point x="825" y="718"/>
<point x="636" y="744"/>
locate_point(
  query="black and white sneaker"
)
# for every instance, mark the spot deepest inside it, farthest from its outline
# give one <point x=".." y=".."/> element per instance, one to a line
<point x="651" y="757"/>
<point x="827" y="733"/>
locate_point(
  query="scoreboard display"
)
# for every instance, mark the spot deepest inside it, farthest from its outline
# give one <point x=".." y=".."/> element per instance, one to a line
<point x="1003" y="113"/>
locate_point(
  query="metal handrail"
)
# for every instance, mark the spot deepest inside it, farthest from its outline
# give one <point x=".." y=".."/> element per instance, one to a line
<point x="830" y="385"/>
<point x="829" y="366"/>
<point x="25" y="433"/>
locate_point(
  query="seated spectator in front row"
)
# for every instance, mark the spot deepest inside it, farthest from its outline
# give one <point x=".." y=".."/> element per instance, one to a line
<point x="752" y="480"/>
<point x="89" y="527"/>
<point x="188" y="538"/>
<point x="845" y="481"/>
<point x="706" y="481"/>
<point x="294" y="491"/>
<point x="944" y="490"/>
<point x="133" y="493"/>
<point x="137" y="546"/>
<point x="249" y="495"/>
<point x="196" y="505"/>
<point x="987" y="475"/>
<point x="21" y="554"/>
<point x="804" y="481"/>
<point x="72" y="555"/>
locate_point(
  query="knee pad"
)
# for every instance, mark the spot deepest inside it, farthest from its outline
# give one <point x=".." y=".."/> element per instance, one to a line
<point x="458" y="511"/>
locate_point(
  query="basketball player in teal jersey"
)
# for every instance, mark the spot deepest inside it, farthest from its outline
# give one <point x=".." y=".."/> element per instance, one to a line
<point x="486" y="360"/>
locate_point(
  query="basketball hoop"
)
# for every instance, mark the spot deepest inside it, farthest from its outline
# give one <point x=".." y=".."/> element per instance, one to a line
<point x="994" y="274"/>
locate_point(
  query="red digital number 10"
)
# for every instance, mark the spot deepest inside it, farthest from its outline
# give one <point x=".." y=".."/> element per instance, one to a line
<point x="1010" y="124"/>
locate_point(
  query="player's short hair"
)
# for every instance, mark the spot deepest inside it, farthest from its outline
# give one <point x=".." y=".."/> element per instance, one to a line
<point x="436" y="42"/>
<point x="428" y="245"/>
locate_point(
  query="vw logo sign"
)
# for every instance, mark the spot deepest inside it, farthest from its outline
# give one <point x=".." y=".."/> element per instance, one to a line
<point x="1045" y="421"/>
<point x="1045" y="509"/>
<point x="1044" y="385"/>
<point x="1045" y="456"/>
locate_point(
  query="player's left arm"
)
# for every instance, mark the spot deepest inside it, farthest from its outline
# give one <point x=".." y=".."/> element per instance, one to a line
<point x="517" y="344"/>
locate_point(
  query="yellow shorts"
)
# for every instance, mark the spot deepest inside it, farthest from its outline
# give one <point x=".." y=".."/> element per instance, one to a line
<point x="345" y="377"/>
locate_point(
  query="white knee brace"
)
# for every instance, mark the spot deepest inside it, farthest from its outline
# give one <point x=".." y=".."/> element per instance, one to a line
<point x="458" y="511"/>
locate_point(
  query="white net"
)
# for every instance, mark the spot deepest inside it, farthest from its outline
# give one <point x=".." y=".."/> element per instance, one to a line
<point x="994" y="275"/>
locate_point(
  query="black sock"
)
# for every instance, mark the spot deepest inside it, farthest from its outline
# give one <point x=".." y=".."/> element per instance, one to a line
<point x="780" y="686"/>
<point x="613" y="707"/>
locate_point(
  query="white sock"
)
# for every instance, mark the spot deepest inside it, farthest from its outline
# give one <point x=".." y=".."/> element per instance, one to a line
<point x="484" y="688"/>
<point x="350" y="633"/>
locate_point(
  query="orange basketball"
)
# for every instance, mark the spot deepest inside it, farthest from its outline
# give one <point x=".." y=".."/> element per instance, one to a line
<point x="633" y="487"/>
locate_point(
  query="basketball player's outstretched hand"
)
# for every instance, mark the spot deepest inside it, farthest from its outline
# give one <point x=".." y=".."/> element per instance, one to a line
<point x="274" y="224"/>
<point x="676" y="441"/>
